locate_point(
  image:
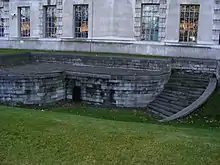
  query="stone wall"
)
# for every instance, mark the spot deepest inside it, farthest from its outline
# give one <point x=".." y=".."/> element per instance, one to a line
<point x="106" y="88"/>
<point x="119" y="91"/>
<point x="38" y="89"/>
<point x="150" y="64"/>
<point x="195" y="65"/>
<point x="112" y="89"/>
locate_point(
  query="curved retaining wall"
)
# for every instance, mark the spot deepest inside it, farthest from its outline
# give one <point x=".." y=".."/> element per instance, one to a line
<point x="37" y="89"/>
<point x="132" y="89"/>
<point x="120" y="91"/>
<point x="151" y="64"/>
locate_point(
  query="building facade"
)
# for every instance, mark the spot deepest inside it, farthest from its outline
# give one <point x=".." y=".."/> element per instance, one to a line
<point x="161" y="27"/>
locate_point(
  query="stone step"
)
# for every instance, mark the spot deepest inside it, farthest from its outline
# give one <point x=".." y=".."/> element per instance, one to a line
<point x="187" y="93"/>
<point x="189" y="80"/>
<point x="181" y="73"/>
<point x="164" y="93"/>
<point x="188" y="84"/>
<point x="188" y="77"/>
<point x="183" y="103"/>
<point x="181" y="94"/>
<point x="168" y="110"/>
<point x="168" y="98"/>
<point x="159" y="110"/>
<point x="169" y="106"/>
<point x="176" y="100"/>
<point x="181" y="90"/>
<point x="185" y="89"/>
<point x="184" y="95"/>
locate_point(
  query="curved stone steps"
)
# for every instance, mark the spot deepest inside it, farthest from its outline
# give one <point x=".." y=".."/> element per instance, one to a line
<point x="183" y="93"/>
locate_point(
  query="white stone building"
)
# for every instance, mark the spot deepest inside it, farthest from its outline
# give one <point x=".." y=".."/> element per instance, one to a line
<point x="159" y="27"/>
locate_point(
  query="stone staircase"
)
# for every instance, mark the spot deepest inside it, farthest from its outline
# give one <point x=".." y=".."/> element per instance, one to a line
<point x="183" y="93"/>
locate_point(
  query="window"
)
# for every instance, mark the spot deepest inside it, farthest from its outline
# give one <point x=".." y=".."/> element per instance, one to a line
<point x="189" y="18"/>
<point x="2" y="28"/>
<point x="50" y="22"/>
<point x="24" y="16"/>
<point x="81" y="21"/>
<point x="219" y="39"/>
<point x="149" y="22"/>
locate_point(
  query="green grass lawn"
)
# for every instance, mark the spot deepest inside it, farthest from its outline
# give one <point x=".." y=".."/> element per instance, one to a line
<point x="46" y="137"/>
<point x="90" y="135"/>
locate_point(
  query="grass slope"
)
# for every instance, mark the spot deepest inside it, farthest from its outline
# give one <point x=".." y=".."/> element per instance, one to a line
<point x="49" y="138"/>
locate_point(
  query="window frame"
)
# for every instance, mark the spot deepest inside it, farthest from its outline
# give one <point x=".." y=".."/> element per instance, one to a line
<point x="20" y="22"/>
<point x="2" y="35"/>
<point x="189" y="30"/>
<point x="157" y="23"/>
<point x="45" y="30"/>
<point x="74" y="22"/>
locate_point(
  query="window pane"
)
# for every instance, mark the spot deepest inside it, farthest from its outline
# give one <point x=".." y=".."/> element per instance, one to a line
<point x="2" y="28"/>
<point x="149" y="22"/>
<point x="189" y="18"/>
<point x="81" y="21"/>
<point x="24" y="21"/>
<point x="50" y="22"/>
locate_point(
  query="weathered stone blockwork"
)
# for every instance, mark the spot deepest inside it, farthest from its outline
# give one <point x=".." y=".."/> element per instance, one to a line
<point x="120" y="91"/>
<point x="195" y="65"/>
<point x="38" y="78"/>
<point x="150" y="64"/>
<point x="39" y="89"/>
<point x="111" y="81"/>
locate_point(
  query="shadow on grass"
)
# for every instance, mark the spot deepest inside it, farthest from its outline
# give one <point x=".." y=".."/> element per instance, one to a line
<point x="117" y="114"/>
<point x="206" y="116"/>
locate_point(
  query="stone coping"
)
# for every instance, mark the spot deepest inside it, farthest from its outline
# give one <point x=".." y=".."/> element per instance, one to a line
<point x="102" y="55"/>
<point x="54" y="69"/>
